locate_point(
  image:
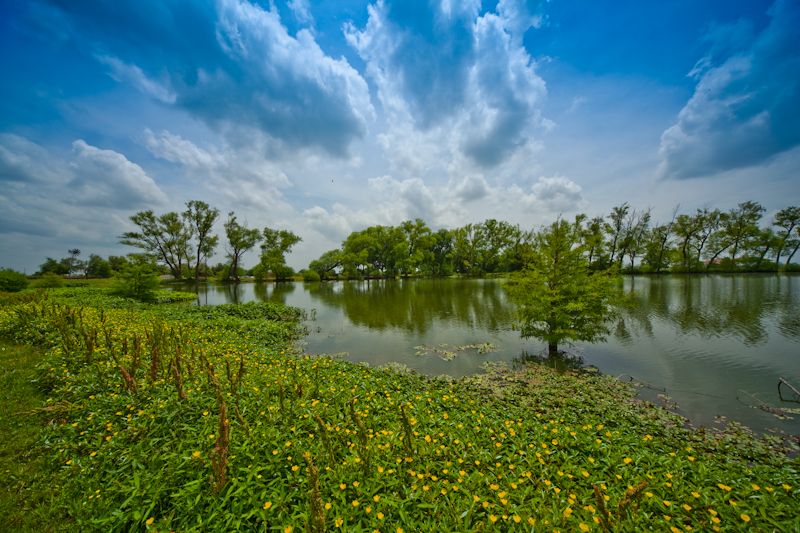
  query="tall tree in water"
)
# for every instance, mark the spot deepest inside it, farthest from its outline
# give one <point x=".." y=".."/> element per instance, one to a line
<point x="558" y="297"/>
<point x="200" y="217"/>
<point x="240" y="240"/>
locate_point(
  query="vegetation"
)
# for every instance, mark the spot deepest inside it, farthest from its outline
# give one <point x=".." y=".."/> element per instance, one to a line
<point x="240" y="240"/>
<point x="708" y="240"/>
<point x="12" y="281"/>
<point x="558" y="297"/>
<point x="202" y="418"/>
<point x="138" y="281"/>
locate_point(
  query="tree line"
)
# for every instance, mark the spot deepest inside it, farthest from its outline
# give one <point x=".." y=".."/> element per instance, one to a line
<point x="181" y="243"/>
<point x="627" y="238"/>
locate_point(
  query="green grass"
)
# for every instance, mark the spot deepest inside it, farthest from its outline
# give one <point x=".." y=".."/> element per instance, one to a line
<point x="27" y="497"/>
<point x="172" y="417"/>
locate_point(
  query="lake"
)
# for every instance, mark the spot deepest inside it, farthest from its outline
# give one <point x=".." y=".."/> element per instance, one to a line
<point x="716" y="345"/>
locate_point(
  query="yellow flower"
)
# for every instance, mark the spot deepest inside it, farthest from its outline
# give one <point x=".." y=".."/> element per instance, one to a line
<point x="583" y="527"/>
<point x="295" y="468"/>
<point x="724" y="487"/>
<point x="755" y="487"/>
<point x="356" y="483"/>
<point x="195" y="454"/>
<point x="150" y="520"/>
<point x="696" y="494"/>
<point x="380" y="516"/>
<point x="355" y="503"/>
<point x="368" y="509"/>
<point x="399" y="530"/>
<point x="667" y="503"/>
<point x="687" y="507"/>
<point x="267" y="505"/>
<point x="516" y="518"/>
<point x="328" y="506"/>
<point x="567" y="512"/>
<point x="338" y="522"/>
<point x="492" y="518"/>
<point x="627" y="460"/>
<point x="342" y="486"/>
<point x="745" y="517"/>
<point x="376" y="498"/>
<point x="288" y="529"/>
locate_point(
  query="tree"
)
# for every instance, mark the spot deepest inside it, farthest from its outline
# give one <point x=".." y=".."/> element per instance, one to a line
<point x="558" y="297"/>
<point x="617" y="217"/>
<point x="742" y="225"/>
<point x="97" y="267"/>
<point x="441" y="263"/>
<point x="52" y="266"/>
<point x="327" y="263"/>
<point x="200" y="217"/>
<point x="166" y="237"/>
<point x="75" y="265"/>
<point x="786" y="219"/>
<point x="276" y="244"/>
<point x="240" y="240"/>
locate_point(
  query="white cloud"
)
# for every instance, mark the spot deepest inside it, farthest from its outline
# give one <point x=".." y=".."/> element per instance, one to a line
<point x="106" y="178"/>
<point x="459" y="85"/>
<point x="301" y="11"/>
<point x="132" y="74"/>
<point x="745" y="106"/>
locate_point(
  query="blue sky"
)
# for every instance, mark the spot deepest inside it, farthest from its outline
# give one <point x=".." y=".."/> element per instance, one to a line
<point x="325" y="117"/>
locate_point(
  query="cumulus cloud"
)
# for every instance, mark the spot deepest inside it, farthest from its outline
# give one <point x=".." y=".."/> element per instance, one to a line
<point x="231" y="63"/>
<point x="47" y="193"/>
<point x="463" y="80"/>
<point x="24" y="161"/>
<point x="106" y="178"/>
<point x="557" y="193"/>
<point x="242" y="175"/>
<point x="745" y="106"/>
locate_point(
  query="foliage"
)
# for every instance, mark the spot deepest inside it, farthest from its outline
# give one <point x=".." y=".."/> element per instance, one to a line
<point x="138" y="281"/>
<point x="274" y="247"/>
<point x="558" y="297"/>
<point x="310" y="275"/>
<point x="194" y="419"/>
<point x="49" y="280"/>
<point x="240" y="240"/>
<point x="12" y="281"/>
<point x="165" y="237"/>
<point x="200" y="217"/>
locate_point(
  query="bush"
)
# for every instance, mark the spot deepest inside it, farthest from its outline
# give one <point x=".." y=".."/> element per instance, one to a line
<point x="49" y="280"/>
<point x="137" y="281"/>
<point x="12" y="281"/>
<point x="310" y="275"/>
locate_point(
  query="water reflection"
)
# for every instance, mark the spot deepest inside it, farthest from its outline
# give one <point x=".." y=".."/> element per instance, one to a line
<point x="711" y="306"/>
<point x="700" y="338"/>
<point x="414" y="306"/>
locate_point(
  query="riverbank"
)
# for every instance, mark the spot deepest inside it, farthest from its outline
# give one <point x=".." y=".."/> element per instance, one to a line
<point x="175" y="417"/>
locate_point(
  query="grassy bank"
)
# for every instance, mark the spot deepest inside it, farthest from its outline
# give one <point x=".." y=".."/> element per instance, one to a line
<point x="172" y="417"/>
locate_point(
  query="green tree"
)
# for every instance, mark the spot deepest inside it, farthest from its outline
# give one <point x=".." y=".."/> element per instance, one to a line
<point x="97" y="267"/>
<point x="787" y="219"/>
<point x="166" y="237"/>
<point x="558" y="297"/>
<point x="275" y="245"/>
<point x="615" y="228"/>
<point x="117" y="262"/>
<point x="742" y="225"/>
<point x="327" y="263"/>
<point x="200" y="218"/>
<point x="441" y="261"/>
<point x="240" y="240"/>
<point x="75" y="264"/>
<point x="50" y="265"/>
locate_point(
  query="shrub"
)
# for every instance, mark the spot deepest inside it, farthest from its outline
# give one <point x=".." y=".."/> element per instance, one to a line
<point x="137" y="281"/>
<point x="310" y="275"/>
<point x="49" y="280"/>
<point x="12" y="281"/>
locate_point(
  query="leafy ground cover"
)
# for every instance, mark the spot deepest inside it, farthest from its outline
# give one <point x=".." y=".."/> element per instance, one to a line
<point x="173" y="417"/>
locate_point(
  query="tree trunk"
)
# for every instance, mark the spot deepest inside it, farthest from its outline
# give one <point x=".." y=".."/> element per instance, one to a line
<point x="552" y="349"/>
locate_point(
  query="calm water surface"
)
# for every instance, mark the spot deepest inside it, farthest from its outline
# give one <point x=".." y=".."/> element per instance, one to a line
<point x="716" y="345"/>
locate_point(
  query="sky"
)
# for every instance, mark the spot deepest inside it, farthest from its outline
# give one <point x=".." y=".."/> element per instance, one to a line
<point x="325" y="117"/>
